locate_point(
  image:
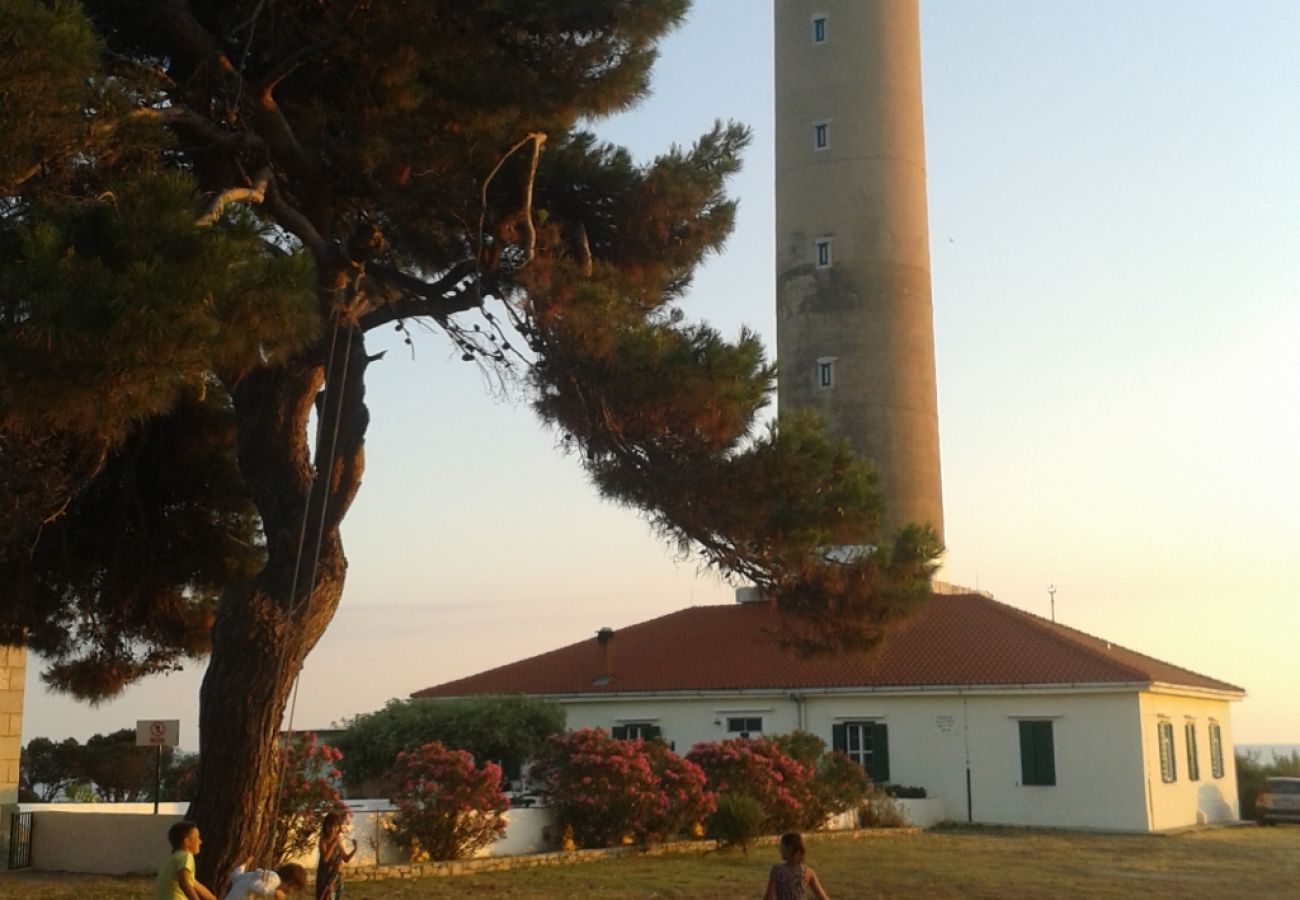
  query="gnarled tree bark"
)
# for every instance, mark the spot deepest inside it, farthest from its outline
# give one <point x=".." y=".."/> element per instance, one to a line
<point x="265" y="629"/>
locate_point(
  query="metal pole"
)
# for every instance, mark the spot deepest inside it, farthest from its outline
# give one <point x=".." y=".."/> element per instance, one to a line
<point x="157" y="778"/>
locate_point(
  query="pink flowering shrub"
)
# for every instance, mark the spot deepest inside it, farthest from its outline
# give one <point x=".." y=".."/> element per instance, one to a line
<point x="446" y="806"/>
<point x="758" y="769"/>
<point x="686" y="800"/>
<point x="606" y="791"/>
<point x="308" y="791"/>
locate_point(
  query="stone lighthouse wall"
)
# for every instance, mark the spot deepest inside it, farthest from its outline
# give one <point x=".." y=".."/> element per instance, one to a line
<point x="855" y="336"/>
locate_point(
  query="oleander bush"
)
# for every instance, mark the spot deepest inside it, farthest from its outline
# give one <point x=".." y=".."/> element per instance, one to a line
<point x="447" y="807"/>
<point x="762" y="770"/>
<point x="308" y="791"/>
<point x="606" y="791"/>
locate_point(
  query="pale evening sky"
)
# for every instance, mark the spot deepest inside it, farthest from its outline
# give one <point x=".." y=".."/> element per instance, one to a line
<point x="1114" y="194"/>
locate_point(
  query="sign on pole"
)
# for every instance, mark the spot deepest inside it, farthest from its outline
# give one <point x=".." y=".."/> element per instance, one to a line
<point x="157" y="732"/>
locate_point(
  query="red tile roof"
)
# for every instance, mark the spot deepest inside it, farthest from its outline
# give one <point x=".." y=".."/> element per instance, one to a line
<point x="952" y="640"/>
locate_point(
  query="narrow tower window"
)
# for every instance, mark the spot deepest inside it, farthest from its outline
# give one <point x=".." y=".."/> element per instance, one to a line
<point x="819" y="29"/>
<point x="823" y="252"/>
<point x="821" y="135"/>
<point x="826" y="372"/>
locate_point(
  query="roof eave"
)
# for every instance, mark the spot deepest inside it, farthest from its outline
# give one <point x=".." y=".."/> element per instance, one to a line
<point x="893" y="690"/>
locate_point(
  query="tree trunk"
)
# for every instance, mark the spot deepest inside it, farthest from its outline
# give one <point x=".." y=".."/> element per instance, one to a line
<point x="265" y="629"/>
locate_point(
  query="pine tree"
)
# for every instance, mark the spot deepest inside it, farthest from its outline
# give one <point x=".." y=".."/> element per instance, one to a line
<point x="207" y="205"/>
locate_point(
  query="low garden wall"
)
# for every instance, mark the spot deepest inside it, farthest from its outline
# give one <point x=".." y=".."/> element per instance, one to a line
<point x="126" y="838"/>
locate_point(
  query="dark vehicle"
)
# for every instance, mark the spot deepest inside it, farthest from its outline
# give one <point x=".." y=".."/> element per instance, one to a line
<point x="1278" y="801"/>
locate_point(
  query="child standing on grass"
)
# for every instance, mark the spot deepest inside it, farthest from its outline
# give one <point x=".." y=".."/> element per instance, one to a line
<point x="791" y="879"/>
<point x="176" y="879"/>
<point x="329" y="863"/>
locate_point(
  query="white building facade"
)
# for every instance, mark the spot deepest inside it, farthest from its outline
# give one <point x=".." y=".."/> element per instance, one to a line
<point x="1008" y="719"/>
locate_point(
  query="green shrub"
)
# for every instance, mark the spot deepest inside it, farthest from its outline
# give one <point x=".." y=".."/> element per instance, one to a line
<point x="737" y="820"/>
<point x="838" y="785"/>
<point x="905" y="791"/>
<point x="507" y="729"/>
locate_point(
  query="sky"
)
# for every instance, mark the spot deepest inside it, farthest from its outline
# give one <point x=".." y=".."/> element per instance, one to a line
<point x="1114" y="197"/>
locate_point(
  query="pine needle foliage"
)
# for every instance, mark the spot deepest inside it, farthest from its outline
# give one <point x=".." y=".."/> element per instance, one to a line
<point x="205" y="203"/>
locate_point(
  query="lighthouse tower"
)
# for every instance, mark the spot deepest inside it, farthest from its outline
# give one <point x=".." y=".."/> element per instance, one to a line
<point x="855" y="336"/>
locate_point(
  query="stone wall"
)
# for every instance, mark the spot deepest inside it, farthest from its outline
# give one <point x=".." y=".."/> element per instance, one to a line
<point x="13" y="680"/>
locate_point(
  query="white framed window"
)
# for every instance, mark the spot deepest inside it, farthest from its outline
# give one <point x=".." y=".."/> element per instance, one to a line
<point x="636" y="731"/>
<point x="822" y="252"/>
<point x="866" y="742"/>
<point x="826" y="372"/>
<point x="819" y="28"/>
<point x="821" y="135"/>
<point x="745" y="726"/>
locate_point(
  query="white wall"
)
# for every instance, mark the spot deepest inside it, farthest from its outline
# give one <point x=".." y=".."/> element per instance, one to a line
<point x="109" y="843"/>
<point x="1186" y="802"/>
<point x="1103" y="740"/>
<point x="687" y="721"/>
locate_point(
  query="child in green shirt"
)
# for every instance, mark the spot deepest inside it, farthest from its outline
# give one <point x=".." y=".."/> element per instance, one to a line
<point x="176" y="879"/>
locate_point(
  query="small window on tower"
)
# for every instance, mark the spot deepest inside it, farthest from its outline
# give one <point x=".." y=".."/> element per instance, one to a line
<point x="823" y="252"/>
<point x="821" y="135"/>
<point x="819" y="29"/>
<point x="826" y="372"/>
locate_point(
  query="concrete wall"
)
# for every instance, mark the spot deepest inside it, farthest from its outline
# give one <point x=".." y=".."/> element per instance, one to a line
<point x="76" y="838"/>
<point x="1184" y="801"/>
<point x="108" y="843"/>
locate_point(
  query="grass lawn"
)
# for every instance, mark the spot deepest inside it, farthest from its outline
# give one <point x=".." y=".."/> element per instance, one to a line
<point x="1232" y="862"/>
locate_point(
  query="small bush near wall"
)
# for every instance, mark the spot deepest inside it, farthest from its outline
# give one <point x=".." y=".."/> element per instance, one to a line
<point x="878" y="810"/>
<point x="606" y="791"/>
<point x="447" y="808"/>
<point x="838" y="785"/>
<point x="905" y="791"/>
<point x="737" y="821"/>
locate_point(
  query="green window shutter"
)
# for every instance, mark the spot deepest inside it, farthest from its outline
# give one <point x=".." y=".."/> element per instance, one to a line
<point x="619" y="733"/>
<point x="1037" y="753"/>
<point x="840" y="737"/>
<point x="879" y="753"/>
<point x="1027" y="764"/>
<point x="651" y="732"/>
<point x="512" y="769"/>
<point x="1045" y="753"/>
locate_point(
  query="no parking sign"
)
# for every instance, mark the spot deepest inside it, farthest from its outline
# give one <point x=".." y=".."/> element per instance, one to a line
<point x="157" y="732"/>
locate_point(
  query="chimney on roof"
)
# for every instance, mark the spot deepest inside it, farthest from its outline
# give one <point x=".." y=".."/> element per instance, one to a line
<point x="605" y="637"/>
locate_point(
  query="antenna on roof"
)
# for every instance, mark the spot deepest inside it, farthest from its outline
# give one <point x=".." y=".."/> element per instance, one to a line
<point x="1051" y="592"/>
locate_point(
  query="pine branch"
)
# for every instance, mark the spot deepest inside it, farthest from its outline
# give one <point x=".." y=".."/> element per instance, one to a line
<point x="255" y="193"/>
<point x="437" y="300"/>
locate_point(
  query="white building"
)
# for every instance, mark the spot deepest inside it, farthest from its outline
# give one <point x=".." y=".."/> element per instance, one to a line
<point x="1006" y="717"/>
